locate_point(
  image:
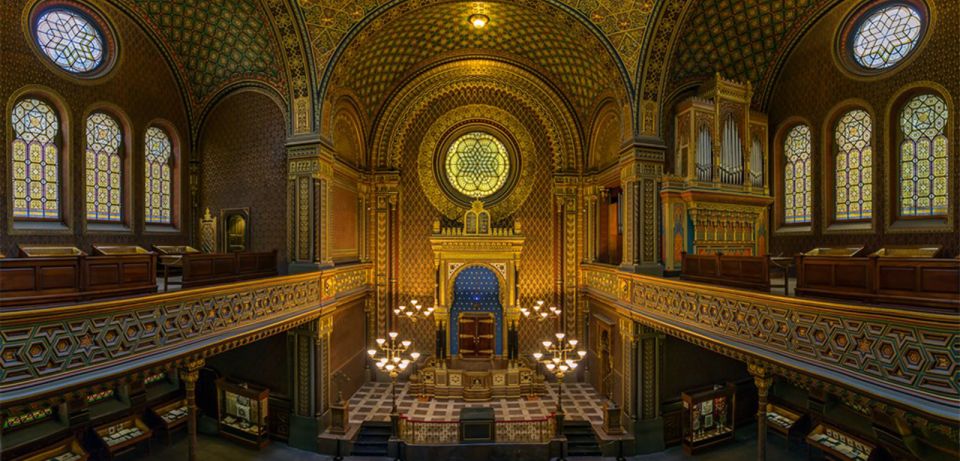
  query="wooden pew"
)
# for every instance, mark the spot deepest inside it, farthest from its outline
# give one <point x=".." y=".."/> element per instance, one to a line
<point x="119" y="270"/>
<point x="53" y="279"/>
<point x="914" y="276"/>
<point x="836" y="272"/>
<point x="209" y="268"/>
<point x="171" y="259"/>
<point x="898" y="275"/>
<point x="752" y="272"/>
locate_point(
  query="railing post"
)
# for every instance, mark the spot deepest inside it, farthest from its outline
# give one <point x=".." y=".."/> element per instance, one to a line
<point x="763" y="379"/>
<point x="189" y="374"/>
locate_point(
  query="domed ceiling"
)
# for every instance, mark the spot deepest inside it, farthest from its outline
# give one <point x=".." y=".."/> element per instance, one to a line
<point x="622" y="22"/>
<point x="554" y="44"/>
<point x="583" y="44"/>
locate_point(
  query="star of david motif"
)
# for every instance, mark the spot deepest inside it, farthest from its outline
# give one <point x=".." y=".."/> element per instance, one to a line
<point x="477" y="165"/>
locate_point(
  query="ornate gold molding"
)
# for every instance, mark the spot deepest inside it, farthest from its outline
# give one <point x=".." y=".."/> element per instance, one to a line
<point x="85" y="343"/>
<point x="480" y="114"/>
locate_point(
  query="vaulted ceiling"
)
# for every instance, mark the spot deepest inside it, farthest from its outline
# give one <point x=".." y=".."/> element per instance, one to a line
<point x="217" y="43"/>
<point x="557" y="46"/>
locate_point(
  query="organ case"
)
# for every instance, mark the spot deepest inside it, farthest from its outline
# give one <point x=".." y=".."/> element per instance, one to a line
<point x="717" y="198"/>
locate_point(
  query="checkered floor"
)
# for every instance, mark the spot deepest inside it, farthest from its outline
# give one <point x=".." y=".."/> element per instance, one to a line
<point x="372" y="403"/>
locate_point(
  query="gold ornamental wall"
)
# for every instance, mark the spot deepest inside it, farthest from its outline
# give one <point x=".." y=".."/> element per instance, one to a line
<point x="416" y="276"/>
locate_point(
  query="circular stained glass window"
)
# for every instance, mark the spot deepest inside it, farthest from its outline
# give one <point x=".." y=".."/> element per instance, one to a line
<point x="70" y="39"/>
<point x="885" y="35"/>
<point x="477" y="165"/>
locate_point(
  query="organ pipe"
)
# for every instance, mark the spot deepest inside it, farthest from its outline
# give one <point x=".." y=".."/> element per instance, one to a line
<point x="704" y="155"/>
<point x="731" y="162"/>
<point x="756" y="163"/>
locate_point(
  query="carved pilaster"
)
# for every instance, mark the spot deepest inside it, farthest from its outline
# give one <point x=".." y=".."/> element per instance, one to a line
<point x="650" y="346"/>
<point x="640" y="172"/>
<point x="386" y="196"/>
<point x="189" y="375"/>
<point x="310" y="175"/>
<point x="592" y="196"/>
<point x="568" y="209"/>
<point x="763" y="379"/>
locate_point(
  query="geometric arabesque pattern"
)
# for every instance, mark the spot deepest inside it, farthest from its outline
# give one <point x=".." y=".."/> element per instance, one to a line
<point x="741" y="39"/>
<point x="854" y="166"/>
<point x="215" y="41"/>
<point x="392" y="44"/>
<point x="622" y="22"/>
<point x="912" y="357"/>
<point x="70" y="40"/>
<point x="477" y="164"/>
<point x="886" y="36"/>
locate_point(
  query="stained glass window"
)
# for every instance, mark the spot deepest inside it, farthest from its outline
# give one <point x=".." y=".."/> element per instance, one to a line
<point x="103" y="168"/>
<point x="70" y="40"/>
<point x="886" y="36"/>
<point x="157" y="177"/>
<point x="854" y="166"/>
<point x="477" y="164"/>
<point x="797" y="188"/>
<point x="924" y="157"/>
<point x="36" y="161"/>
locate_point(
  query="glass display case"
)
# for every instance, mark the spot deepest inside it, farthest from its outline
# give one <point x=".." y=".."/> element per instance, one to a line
<point x="64" y="450"/>
<point x="123" y="435"/>
<point x="838" y="445"/>
<point x="708" y="416"/>
<point x="783" y="420"/>
<point x="170" y="416"/>
<point x="242" y="412"/>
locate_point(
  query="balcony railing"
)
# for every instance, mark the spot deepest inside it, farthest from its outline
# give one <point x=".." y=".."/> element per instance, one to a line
<point x="899" y="356"/>
<point x="47" y="350"/>
<point x="422" y="432"/>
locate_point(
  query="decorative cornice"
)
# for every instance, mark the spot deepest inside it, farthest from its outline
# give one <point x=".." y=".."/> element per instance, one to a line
<point x="901" y="358"/>
<point x="49" y="350"/>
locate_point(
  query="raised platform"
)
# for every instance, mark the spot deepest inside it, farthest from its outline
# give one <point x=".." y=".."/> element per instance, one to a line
<point x="372" y="403"/>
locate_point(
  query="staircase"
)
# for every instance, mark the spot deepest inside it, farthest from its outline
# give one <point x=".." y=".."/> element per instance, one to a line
<point x="581" y="440"/>
<point x="371" y="439"/>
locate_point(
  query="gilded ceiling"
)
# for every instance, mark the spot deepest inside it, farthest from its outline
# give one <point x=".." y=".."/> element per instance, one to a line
<point x="623" y="22"/>
<point x="214" y="42"/>
<point x="559" y="47"/>
<point x="741" y="39"/>
<point x="583" y="45"/>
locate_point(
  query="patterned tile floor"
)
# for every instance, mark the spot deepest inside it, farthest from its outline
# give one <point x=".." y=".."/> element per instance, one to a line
<point x="372" y="403"/>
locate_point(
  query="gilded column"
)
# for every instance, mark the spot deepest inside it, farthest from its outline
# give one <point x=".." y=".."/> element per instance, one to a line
<point x="386" y="197"/>
<point x="640" y="171"/>
<point x="309" y="176"/>
<point x="566" y="191"/>
<point x="592" y="224"/>
<point x="189" y="374"/>
<point x="763" y="380"/>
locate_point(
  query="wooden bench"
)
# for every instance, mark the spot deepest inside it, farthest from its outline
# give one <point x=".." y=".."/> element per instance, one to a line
<point x="209" y="268"/>
<point x="751" y="272"/>
<point x="46" y="274"/>
<point x="171" y="258"/>
<point x="907" y="276"/>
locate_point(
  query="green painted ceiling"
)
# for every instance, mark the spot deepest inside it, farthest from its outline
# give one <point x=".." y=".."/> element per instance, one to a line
<point x="741" y="39"/>
<point x="389" y="47"/>
<point x="214" y="42"/>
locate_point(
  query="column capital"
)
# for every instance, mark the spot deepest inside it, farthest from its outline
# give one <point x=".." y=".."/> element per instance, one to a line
<point x="762" y="377"/>
<point x="190" y="371"/>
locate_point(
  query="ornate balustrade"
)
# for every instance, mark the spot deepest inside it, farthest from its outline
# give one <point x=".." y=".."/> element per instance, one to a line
<point x="420" y="432"/>
<point x="49" y="350"/>
<point x="889" y="358"/>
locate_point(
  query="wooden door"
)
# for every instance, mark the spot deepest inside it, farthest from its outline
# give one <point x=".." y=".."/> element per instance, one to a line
<point x="476" y="335"/>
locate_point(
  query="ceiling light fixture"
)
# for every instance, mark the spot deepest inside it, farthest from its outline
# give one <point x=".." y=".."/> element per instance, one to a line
<point x="479" y="20"/>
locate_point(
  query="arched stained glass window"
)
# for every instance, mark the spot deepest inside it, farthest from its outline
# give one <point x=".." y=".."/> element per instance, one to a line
<point x="854" y="166"/>
<point x="886" y="35"/>
<point x="70" y="39"/>
<point x="103" y="168"/>
<point x="477" y="165"/>
<point x="36" y="161"/>
<point x="797" y="187"/>
<point x="924" y="157"/>
<point x="157" y="177"/>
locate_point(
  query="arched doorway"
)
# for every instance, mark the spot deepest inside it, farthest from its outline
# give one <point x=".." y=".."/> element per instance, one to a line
<point x="476" y="314"/>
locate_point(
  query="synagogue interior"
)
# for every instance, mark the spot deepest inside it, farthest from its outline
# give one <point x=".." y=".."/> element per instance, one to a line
<point x="480" y="230"/>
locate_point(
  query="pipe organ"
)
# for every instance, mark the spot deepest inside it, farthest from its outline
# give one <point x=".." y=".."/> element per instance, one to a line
<point x="717" y="198"/>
